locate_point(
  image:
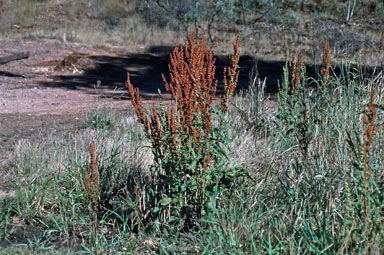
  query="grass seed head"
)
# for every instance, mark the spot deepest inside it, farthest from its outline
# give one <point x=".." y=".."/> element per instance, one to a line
<point x="326" y="62"/>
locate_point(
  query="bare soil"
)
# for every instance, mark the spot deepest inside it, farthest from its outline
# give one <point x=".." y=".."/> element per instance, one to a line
<point x="59" y="82"/>
<point x="40" y="100"/>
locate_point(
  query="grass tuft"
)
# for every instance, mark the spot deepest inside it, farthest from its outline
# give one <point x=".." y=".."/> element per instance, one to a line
<point x="302" y="174"/>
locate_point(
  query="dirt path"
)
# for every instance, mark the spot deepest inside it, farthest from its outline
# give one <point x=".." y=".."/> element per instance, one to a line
<point x="31" y="95"/>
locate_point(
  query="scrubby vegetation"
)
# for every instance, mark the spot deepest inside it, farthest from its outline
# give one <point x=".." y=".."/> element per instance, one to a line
<point x="271" y="29"/>
<point x="302" y="174"/>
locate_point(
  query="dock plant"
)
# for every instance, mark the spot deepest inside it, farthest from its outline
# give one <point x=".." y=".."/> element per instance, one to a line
<point x="188" y="139"/>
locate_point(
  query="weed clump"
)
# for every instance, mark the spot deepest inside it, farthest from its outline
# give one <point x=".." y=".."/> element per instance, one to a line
<point x="315" y="156"/>
<point x="90" y="181"/>
<point x="188" y="147"/>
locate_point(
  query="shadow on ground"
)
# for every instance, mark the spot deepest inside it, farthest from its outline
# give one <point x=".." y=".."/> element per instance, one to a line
<point x="146" y="69"/>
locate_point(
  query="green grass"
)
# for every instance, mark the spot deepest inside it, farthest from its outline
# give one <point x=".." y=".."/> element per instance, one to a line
<point x="297" y="202"/>
<point x="307" y="194"/>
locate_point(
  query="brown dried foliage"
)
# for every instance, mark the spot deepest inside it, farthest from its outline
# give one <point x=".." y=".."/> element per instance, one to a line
<point x="231" y="75"/>
<point x="192" y="84"/>
<point x="326" y="62"/>
<point x="369" y="121"/>
<point x="193" y="88"/>
<point x="296" y="65"/>
<point x="91" y="183"/>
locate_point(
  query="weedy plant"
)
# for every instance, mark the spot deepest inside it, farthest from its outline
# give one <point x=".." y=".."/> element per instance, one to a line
<point x="319" y="121"/>
<point x="189" y="139"/>
<point x="316" y="162"/>
<point x="250" y="105"/>
<point x="294" y="112"/>
<point x="299" y="107"/>
<point x="90" y="181"/>
<point x="364" y="197"/>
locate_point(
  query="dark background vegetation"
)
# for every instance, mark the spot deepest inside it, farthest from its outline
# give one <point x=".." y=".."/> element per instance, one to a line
<point x="270" y="29"/>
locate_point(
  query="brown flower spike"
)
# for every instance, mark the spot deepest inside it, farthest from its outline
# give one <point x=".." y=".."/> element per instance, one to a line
<point x="91" y="185"/>
<point x="192" y="86"/>
<point x="369" y="121"/>
<point x="326" y="62"/>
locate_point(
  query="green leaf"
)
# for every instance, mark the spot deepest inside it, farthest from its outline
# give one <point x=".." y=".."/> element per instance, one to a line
<point x="193" y="164"/>
<point x="173" y="219"/>
<point x="219" y="151"/>
<point x="165" y="201"/>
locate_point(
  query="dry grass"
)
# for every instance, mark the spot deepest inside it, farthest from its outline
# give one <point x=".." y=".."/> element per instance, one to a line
<point x="283" y="32"/>
<point x="287" y="196"/>
<point x="314" y="182"/>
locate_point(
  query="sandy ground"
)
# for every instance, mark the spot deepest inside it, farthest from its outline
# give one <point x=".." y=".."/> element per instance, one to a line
<point x="59" y="82"/>
<point x="39" y="99"/>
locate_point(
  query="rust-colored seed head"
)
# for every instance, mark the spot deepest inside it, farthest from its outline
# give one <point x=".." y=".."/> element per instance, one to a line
<point x="326" y="62"/>
<point x="137" y="104"/>
<point x="92" y="177"/>
<point x="91" y="184"/>
<point x="369" y="121"/>
<point x="231" y="76"/>
<point x="296" y="79"/>
<point x="192" y="86"/>
<point x="88" y="182"/>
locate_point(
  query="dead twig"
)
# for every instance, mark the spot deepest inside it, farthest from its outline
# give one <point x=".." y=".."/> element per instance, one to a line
<point x="13" y="57"/>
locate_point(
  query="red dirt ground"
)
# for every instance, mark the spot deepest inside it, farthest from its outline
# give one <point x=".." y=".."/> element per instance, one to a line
<point x="58" y="85"/>
<point x="39" y="101"/>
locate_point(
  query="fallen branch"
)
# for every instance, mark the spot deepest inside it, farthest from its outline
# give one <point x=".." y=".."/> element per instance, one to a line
<point x="10" y="74"/>
<point x="13" y="57"/>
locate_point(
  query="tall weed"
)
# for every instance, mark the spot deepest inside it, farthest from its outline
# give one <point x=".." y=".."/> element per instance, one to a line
<point x="189" y="149"/>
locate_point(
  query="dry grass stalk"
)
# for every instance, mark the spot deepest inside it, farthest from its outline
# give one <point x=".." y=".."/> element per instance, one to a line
<point x="296" y="79"/>
<point x="138" y="208"/>
<point x="326" y="62"/>
<point x="369" y="134"/>
<point x="295" y="66"/>
<point x="91" y="184"/>
<point x="231" y="75"/>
